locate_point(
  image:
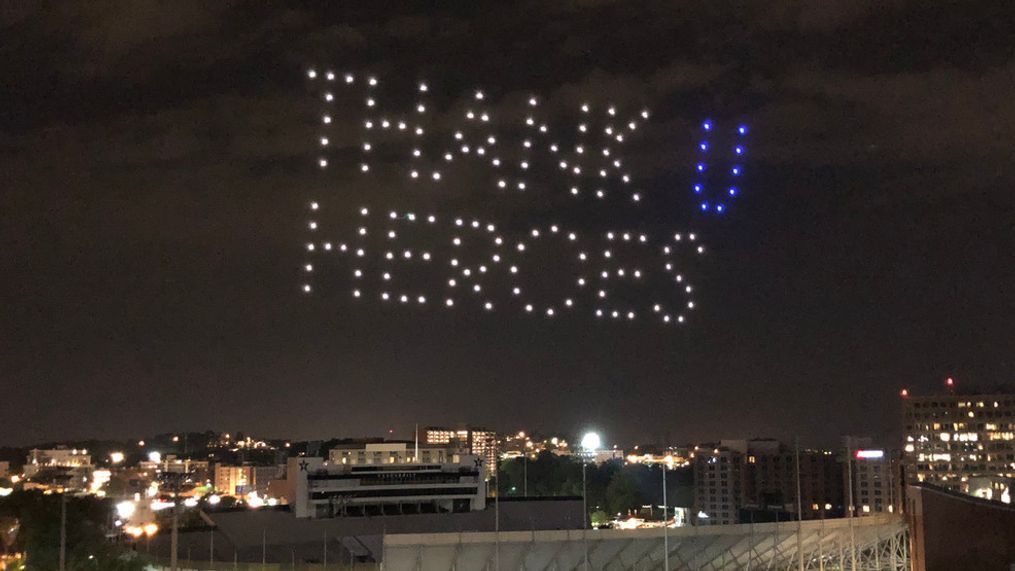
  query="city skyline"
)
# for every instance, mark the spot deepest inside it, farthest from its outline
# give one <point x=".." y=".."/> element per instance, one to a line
<point x="161" y="162"/>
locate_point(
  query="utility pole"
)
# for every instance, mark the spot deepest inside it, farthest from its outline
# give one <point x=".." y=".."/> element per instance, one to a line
<point x="666" y="524"/>
<point x="63" y="531"/>
<point x="799" y="508"/>
<point x="174" y="538"/>
<point x="525" y="474"/>
<point x="852" y="530"/>
<point x="496" y="504"/>
<point x="585" y="512"/>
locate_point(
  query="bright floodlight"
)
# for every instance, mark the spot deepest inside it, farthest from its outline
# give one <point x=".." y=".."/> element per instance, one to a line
<point x="591" y="441"/>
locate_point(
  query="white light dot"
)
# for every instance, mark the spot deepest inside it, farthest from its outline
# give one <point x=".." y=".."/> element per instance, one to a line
<point x="449" y="302"/>
<point x="488" y="306"/>
<point x="355" y="293"/>
<point x="370" y="102"/>
<point x="422" y="87"/>
<point x="436" y="175"/>
<point x="549" y="312"/>
<point x="349" y="78"/>
<point x="306" y="288"/>
<point x="324" y="141"/>
<point x="414" y="174"/>
<point x="367" y="146"/>
<point x="311" y="74"/>
<point x="364" y="167"/>
<point x="372" y="81"/>
<point x="328" y="97"/>
<point x="533" y="102"/>
<point x="326" y="119"/>
<point x="585" y="107"/>
<point x="421" y="299"/>
<point x="521" y="247"/>
<point x="528" y="307"/>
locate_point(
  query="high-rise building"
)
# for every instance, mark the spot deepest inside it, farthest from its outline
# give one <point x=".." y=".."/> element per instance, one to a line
<point x="740" y="481"/>
<point x="718" y="486"/>
<point x="469" y="440"/>
<point x="242" y="480"/>
<point x="963" y="442"/>
<point x="870" y="477"/>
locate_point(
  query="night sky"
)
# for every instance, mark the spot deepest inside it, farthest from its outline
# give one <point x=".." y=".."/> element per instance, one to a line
<point x="157" y="161"/>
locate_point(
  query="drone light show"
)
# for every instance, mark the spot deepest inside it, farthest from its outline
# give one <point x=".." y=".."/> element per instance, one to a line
<point x="517" y="150"/>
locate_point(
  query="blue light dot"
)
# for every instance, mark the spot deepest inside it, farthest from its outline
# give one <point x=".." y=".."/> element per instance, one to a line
<point x="733" y="191"/>
<point x="703" y="146"/>
<point x="697" y="188"/>
<point x="719" y="207"/>
<point x="735" y="171"/>
<point x="701" y="167"/>
<point x="738" y="150"/>
<point x="707" y="125"/>
<point x="742" y="129"/>
<point x="704" y="206"/>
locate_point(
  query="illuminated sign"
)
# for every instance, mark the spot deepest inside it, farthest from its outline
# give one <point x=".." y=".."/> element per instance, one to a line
<point x="869" y="454"/>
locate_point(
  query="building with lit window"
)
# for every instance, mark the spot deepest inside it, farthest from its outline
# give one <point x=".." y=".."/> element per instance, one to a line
<point x="56" y="458"/>
<point x="468" y="440"/>
<point x="718" y="485"/>
<point x="962" y="442"/>
<point x="870" y="477"/>
<point x="744" y="481"/>
<point x="242" y="480"/>
<point x="324" y="490"/>
<point x="387" y="453"/>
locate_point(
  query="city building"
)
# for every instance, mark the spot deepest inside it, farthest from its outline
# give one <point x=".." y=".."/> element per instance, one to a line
<point x="37" y="459"/>
<point x="743" y="481"/>
<point x="962" y="442"/>
<point x="5" y="468"/>
<point x="869" y="477"/>
<point x="242" y="480"/>
<point x="317" y="489"/>
<point x="718" y="486"/>
<point x="468" y="440"/>
<point x="387" y="453"/>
